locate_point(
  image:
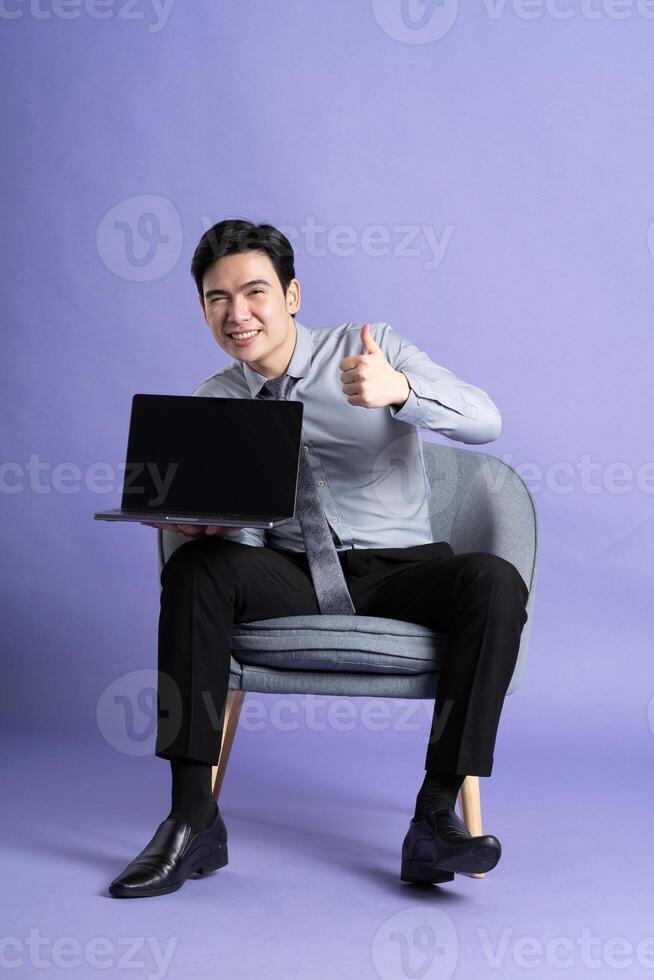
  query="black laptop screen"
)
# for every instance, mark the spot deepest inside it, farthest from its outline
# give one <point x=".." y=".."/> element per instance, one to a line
<point x="190" y="455"/>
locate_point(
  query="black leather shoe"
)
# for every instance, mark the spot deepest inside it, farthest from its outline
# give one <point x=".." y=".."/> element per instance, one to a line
<point x="175" y="852"/>
<point x="439" y="844"/>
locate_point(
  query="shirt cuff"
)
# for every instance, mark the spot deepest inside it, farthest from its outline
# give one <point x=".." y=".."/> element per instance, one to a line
<point x="253" y="536"/>
<point x="411" y="411"/>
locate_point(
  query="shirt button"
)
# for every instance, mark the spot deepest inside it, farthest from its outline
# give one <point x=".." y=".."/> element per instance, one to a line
<point x="418" y="401"/>
<point x="321" y="483"/>
<point x="334" y="520"/>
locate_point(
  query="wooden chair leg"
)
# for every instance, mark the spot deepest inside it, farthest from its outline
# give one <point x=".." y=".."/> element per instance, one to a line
<point x="233" y="707"/>
<point x="470" y="810"/>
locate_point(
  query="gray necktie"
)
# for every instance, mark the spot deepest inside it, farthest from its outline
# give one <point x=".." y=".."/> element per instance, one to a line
<point x="328" y="579"/>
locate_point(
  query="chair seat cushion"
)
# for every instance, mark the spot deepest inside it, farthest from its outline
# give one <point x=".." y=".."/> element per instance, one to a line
<point x="339" y="643"/>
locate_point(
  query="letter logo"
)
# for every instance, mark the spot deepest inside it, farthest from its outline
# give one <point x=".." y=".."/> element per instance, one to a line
<point x="415" y="21"/>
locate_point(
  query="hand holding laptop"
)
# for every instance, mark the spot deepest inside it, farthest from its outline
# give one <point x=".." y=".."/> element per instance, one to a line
<point x="192" y="530"/>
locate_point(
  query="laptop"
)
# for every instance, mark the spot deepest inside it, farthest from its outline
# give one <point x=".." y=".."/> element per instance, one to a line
<point x="211" y="461"/>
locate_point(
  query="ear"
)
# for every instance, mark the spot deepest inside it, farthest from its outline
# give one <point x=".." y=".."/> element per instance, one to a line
<point x="293" y="296"/>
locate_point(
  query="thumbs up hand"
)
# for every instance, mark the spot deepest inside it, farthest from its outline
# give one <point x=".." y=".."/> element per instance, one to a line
<point x="369" y="380"/>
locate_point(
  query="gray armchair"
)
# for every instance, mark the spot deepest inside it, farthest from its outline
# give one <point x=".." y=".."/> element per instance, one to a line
<point x="479" y="503"/>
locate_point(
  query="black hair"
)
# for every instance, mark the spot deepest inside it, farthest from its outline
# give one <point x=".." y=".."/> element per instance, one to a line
<point x="236" y="235"/>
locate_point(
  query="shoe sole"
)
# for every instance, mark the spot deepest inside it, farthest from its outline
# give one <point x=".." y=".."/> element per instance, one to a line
<point x="423" y="873"/>
<point x="475" y="860"/>
<point x="202" y="867"/>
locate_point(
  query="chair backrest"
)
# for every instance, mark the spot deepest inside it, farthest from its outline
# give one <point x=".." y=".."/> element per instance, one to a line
<point x="479" y="503"/>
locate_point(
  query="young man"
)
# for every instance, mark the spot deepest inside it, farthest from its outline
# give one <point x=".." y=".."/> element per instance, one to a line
<point x="361" y="542"/>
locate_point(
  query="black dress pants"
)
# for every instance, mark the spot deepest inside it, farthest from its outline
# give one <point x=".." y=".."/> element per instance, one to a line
<point x="211" y="583"/>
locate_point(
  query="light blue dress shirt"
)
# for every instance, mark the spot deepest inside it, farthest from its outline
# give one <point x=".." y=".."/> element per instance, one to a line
<point x="368" y="463"/>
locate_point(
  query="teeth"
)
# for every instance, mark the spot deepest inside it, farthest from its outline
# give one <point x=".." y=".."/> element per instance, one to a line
<point x="242" y="336"/>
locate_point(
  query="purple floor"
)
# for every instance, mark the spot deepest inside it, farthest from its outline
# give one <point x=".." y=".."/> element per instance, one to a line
<point x="312" y="890"/>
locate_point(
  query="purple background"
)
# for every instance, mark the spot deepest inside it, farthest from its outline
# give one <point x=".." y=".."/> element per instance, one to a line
<point x="524" y="144"/>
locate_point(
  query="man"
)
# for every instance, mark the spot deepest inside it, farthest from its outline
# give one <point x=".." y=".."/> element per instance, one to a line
<point x="360" y="542"/>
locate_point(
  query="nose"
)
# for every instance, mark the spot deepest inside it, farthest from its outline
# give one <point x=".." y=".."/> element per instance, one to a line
<point x="238" y="311"/>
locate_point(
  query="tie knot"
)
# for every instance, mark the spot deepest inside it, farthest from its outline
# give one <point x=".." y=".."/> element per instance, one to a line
<point x="275" y="387"/>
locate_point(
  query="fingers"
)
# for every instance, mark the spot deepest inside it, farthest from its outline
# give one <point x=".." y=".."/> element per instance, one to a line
<point x="165" y="526"/>
<point x="192" y="530"/>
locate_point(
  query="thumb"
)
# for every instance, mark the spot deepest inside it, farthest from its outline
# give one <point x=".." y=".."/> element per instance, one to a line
<point x="369" y="345"/>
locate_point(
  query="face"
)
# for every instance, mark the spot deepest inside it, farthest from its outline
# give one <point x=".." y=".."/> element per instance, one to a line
<point x="242" y="295"/>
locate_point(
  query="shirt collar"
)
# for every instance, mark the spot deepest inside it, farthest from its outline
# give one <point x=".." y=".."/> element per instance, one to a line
<point x="298" y="367"/>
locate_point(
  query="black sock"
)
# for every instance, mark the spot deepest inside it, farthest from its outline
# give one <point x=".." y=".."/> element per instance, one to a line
<point x="438" y="790"/>
<point x="192" y="800"/>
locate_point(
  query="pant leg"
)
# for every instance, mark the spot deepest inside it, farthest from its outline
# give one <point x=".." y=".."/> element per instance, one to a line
<point x="479" y="600"/>
<point x="208" y="584"/>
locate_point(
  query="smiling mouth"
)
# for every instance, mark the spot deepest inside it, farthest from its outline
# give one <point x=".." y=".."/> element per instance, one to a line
<point x="243" y="335"/>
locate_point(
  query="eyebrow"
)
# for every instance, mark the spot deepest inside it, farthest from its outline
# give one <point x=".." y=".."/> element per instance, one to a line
<point x="222" y="292"/>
